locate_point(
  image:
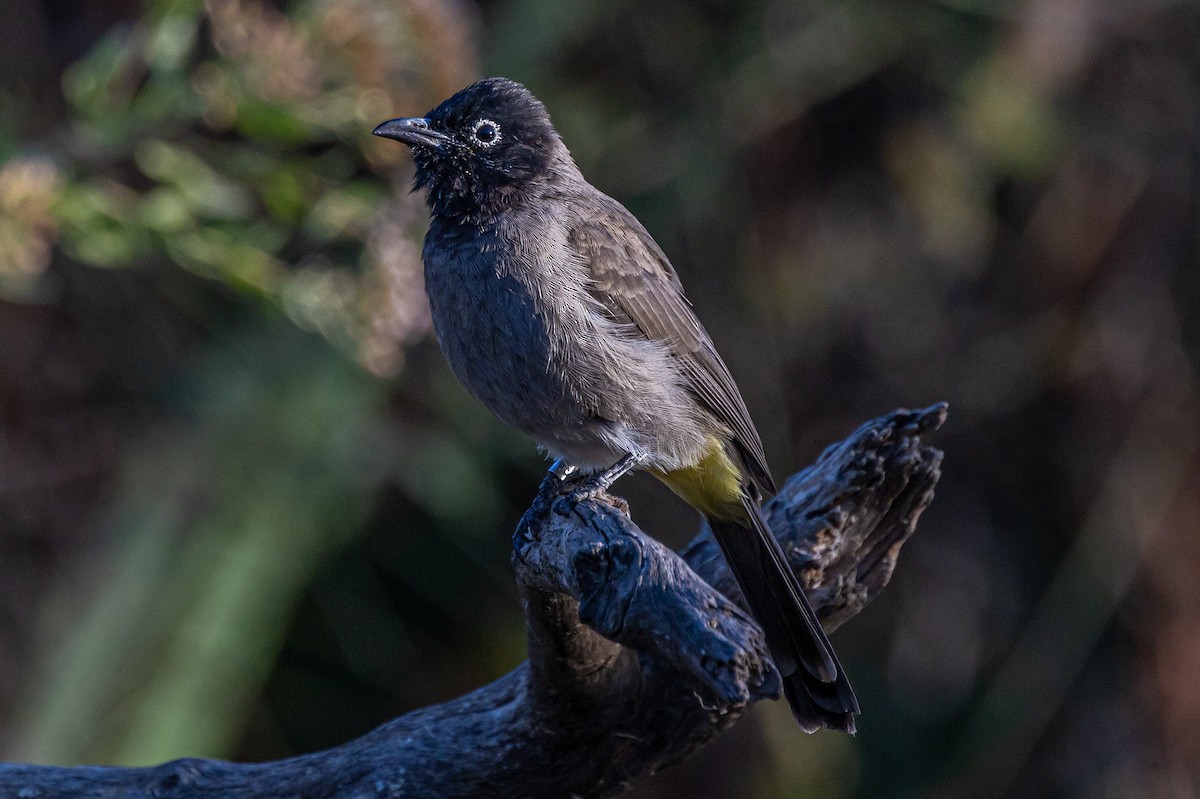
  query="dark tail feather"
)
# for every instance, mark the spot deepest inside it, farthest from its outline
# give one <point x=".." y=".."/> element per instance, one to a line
<point x="813" y="680"/>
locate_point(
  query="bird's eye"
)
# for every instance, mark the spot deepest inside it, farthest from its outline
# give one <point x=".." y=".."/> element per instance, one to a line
<point x="486" y="132"/>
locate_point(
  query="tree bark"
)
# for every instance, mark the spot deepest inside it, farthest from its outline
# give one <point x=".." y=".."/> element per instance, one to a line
<point x="637" y="656"/>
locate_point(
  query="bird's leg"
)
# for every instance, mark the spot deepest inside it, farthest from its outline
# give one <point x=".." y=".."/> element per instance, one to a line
<point x="566" y="476"/>
<point x="562" y="470"/>
<point x="606" y="478"/>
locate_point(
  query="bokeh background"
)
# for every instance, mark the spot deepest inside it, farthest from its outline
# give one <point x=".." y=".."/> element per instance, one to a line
<point x="245" y="510"/>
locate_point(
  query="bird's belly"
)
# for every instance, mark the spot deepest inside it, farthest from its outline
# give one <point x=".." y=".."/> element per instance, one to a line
<point x="497" y="343"/>
<point x="496" y="336"/>
<point x="582" y="393"/>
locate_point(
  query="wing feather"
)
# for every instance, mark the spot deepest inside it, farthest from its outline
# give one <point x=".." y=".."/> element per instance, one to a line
<point x="635" y="283"/>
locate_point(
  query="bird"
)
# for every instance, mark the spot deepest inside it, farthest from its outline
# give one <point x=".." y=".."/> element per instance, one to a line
<point x="559" y="312"/>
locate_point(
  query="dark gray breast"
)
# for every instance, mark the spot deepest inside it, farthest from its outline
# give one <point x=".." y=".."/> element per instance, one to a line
<point x="494" y="327"/>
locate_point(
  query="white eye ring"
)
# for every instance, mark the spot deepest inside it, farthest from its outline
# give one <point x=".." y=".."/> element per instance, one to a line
<point x="485" y="123"/>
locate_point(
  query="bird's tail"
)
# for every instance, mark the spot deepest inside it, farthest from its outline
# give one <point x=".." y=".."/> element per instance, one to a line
<point x="814" y="682"/>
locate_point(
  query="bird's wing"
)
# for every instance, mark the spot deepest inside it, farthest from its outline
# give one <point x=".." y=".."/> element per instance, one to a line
<point x="634" y="281"/>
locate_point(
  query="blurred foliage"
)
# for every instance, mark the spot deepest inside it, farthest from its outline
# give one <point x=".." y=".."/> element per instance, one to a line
<point x="219" y="536"/>
<point x="232" y="140"/>
<point x="210" y="570"/>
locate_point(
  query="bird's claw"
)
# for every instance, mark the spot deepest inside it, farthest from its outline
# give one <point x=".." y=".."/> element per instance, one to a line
<point x="604" y="480"/>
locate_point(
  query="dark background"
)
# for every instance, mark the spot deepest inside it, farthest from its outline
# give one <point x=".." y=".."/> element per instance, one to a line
<point x="245" y="510"/>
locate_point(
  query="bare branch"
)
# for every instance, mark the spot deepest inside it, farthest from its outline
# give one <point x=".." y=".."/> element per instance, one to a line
<point x="638" y="656"/>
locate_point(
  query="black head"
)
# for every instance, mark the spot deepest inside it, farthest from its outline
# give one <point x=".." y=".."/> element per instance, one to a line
<point x="478" y="150"/>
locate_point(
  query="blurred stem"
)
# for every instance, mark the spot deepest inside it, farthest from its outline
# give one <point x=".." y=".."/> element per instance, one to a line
<point x="221" y="522"/>
<point x="1143" y="484"/>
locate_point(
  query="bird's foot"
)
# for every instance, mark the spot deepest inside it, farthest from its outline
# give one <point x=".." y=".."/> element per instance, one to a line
<point x="563" y="479"/>
<point x="604" y="480"/>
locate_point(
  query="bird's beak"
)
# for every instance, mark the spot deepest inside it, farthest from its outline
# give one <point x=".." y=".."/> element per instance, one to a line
<point x="413" y="131"/>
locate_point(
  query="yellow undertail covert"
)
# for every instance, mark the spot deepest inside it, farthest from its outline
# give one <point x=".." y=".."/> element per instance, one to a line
<point x="713" y="485"/>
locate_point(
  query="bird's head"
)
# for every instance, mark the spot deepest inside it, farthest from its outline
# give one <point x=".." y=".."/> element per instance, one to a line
<point x="480" y="150"/>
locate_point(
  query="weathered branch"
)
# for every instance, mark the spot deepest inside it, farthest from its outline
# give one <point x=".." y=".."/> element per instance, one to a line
<point x="637" y="655"/>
